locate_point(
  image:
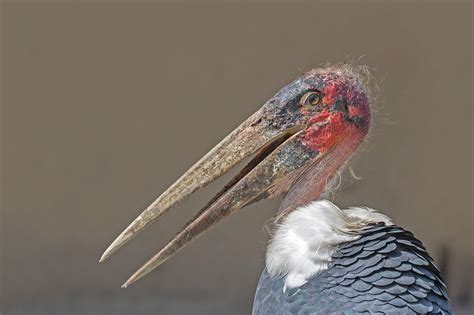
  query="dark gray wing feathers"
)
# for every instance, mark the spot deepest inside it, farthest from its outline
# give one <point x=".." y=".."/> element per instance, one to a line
<point x="386" y="271"/>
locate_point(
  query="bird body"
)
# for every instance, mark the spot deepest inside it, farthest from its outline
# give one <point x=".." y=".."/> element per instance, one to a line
<point x="321" y="260"/>
<point x="370" y="267"/>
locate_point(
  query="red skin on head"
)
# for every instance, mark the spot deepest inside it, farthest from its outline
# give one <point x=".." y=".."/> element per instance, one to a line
<point x="328" y="126"/>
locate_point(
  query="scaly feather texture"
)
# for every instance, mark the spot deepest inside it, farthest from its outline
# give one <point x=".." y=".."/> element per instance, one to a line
<point x="324" y="260"/>
<point x="305" y="241"/>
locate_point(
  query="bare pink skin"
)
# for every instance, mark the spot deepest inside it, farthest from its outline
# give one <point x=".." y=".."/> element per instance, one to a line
<point x="333" y="134"/>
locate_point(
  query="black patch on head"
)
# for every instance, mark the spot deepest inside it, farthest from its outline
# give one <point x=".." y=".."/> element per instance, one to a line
<point x="359" y="121"/>
<point x="293" y="105"/>
<point x="341" y="105"/>
<point x="282" y="113"/>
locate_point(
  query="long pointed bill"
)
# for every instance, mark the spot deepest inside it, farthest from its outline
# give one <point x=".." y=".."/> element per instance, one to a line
<point x="299" y="139"/>
<point x="265" y="172"/>
<point x="245" y="140"/>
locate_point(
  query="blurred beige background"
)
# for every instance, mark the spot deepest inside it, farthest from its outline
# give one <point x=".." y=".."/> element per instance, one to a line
<point x="105" y="105"/>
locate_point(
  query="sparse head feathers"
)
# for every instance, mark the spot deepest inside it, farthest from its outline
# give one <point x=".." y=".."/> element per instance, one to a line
<point x="304" y="242"/>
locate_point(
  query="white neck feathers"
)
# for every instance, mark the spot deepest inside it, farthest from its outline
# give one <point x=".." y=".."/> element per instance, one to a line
<point x="303" y="244"/>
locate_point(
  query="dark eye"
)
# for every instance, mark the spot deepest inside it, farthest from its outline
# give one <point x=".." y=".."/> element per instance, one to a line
<point x="311" y="99"/>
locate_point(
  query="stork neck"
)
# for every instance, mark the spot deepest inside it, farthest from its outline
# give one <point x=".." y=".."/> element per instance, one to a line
<point x="318" y="178"/>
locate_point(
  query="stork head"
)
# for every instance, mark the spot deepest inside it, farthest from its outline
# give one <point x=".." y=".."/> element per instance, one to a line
<point x="298" y="139"/>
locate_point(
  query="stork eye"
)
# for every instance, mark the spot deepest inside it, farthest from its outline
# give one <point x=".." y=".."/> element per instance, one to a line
<point x="311" y="99"/>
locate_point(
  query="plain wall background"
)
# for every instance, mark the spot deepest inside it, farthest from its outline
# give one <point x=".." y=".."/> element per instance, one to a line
<point x="105" y="105"/>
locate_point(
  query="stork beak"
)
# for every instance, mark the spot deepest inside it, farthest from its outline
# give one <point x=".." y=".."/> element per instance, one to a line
<point x="278" y="152"/>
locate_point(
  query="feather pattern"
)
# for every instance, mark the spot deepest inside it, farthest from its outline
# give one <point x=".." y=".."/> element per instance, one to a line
<point x="386" y="270"/>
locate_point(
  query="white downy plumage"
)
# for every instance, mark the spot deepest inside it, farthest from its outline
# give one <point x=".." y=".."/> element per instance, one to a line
<point x="304" y="242"/>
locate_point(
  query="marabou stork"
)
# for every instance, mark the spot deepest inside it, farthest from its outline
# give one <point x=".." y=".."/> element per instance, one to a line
<point x="320" y="259"/>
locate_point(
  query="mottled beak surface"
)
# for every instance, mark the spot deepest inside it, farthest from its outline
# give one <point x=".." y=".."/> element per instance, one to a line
<point x="321" y="116"/>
